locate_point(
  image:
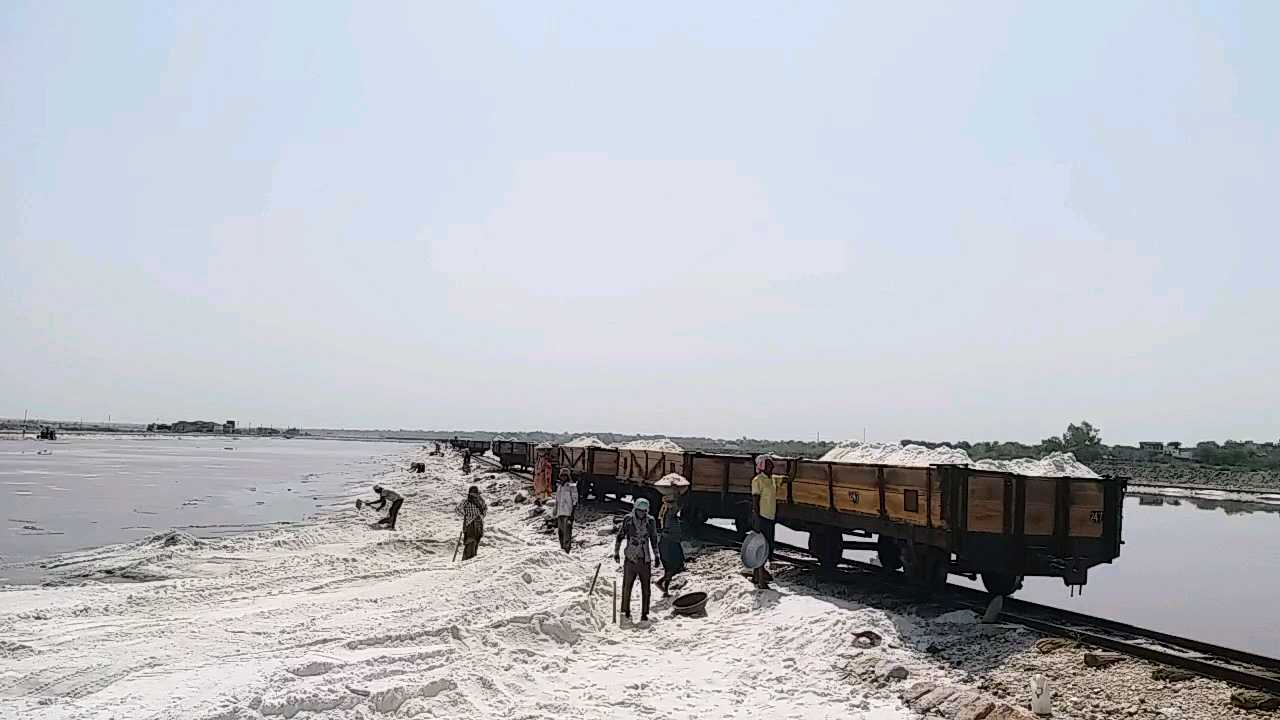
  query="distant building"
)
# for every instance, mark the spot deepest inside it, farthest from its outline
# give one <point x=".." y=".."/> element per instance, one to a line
<point x="1124" y="452"/>
<point x="1155" y="447"/>
<point x="1172" y="449"/>
<point x="229" y="427"/>
<point x="194" y="426"/>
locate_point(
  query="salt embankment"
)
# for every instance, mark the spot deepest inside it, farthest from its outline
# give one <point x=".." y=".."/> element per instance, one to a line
<point x="338" y="620"/>
<point x="878" y="453"/>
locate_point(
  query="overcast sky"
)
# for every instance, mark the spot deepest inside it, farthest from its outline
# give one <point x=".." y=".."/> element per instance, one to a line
<point x="947" y="221"/>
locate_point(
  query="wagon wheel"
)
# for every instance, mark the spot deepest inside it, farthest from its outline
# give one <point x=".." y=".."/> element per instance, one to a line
<point x="926" y="567"/>
<point x="912" y="560"/>
<point x="889" y="554"/>
<point x="693" y="518"/>
<point x="939" y="567"/>
<point x="827" y="545"/>
<point x="998" y="583"/>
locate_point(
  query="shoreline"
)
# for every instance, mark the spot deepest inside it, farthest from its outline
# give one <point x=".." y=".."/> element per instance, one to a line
<point x="22" y="568"/>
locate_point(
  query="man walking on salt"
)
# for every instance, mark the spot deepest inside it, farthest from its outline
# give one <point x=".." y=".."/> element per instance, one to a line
<point x="641" y="533"/>
<point x="670" y="550"/>
<point x="566" y="503"/>
<point x="472" y="510"/>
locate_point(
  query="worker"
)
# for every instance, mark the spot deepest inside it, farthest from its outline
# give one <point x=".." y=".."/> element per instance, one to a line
<point x="387" y="496"/>
<point x="472" y="510"/>
<point x="669" y="547"/>
<point x="764" y="505"/>
<point x="641" y="533"/>
<point x="466" y="460"/>
<point x="566" y="504"/>
<point x="542" y="473"/>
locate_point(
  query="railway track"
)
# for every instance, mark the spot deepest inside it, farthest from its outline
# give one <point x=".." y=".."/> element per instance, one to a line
<point x="1222" y="663"/>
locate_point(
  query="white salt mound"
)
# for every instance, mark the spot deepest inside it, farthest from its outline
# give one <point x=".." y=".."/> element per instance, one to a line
<point x="586" y="441"/>
<point x="1057" y="464"/>
<point x="876" y="453"/>
<point x="660" y="445"/>
<point x="672" y="480"/>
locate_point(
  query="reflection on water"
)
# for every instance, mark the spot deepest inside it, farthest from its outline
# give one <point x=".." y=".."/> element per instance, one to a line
<point x="1230" y="506"/>
<point x="81" y="492"/>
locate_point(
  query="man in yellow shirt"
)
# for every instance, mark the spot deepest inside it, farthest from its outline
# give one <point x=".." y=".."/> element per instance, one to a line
<point x="764" y="506"/>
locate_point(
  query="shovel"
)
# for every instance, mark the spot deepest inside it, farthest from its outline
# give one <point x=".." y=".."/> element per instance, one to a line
<point x="456" y="545"/>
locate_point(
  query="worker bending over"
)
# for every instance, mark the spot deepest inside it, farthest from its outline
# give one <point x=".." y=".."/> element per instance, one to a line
<point x="387" y="496"/>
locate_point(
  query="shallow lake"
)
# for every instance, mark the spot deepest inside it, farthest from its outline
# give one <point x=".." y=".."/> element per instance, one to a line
<point x="82" y="492"/>
<point x="1204" y="569"/>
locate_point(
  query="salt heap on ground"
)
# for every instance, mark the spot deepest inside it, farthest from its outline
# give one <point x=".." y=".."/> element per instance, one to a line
<point x="659" y="444"/>
<point x="1056" y="464"/>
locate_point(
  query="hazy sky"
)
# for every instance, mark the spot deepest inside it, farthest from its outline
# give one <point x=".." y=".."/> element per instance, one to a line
<point x="932" y="221"/>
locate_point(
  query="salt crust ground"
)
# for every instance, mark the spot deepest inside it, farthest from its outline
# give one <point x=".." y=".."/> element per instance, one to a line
<point x="287" y="624"/>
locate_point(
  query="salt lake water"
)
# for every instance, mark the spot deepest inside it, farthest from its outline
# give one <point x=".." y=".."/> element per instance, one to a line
<point x="1204" y="569"/>
<point x="88" y="491"/>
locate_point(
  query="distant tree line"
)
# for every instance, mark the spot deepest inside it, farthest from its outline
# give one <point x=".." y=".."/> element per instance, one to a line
<point x="1082" y="439"/>
<point x="1085" y="441"/>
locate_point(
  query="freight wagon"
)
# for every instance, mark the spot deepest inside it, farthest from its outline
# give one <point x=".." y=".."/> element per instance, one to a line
<point x="595" y="468"/>
<point x="927" y="521"/>
<point x="513" y="452"/>
<point x="477" y="447"/>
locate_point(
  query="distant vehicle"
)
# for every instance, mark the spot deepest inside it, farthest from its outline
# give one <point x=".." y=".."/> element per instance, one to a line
<point x="513" y="452"/>
<point x="477" y="447"/>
